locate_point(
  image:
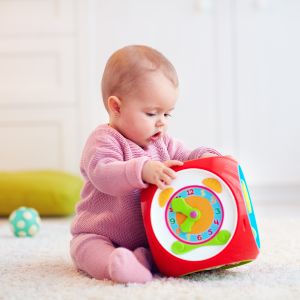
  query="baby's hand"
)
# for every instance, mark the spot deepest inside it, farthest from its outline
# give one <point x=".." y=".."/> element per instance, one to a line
<point x="231" y="157"/>
<point x="159" y="173"/>
<point x="208" y="154"/>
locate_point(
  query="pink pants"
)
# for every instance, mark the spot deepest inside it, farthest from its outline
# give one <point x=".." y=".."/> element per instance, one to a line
<point x="90" y="253"/>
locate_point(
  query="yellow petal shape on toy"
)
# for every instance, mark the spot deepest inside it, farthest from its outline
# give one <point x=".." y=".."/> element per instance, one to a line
<point x="214" y="184"/>
<point x="164" y="196"/>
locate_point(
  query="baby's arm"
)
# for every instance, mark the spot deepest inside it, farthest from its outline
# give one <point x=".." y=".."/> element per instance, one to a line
<point x="160" y="174"/>
<point x="179" y="151"/>
<point x="104" y="165"/>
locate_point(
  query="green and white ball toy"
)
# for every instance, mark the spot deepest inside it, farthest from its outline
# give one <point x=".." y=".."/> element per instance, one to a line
<point x="24" y="222"/>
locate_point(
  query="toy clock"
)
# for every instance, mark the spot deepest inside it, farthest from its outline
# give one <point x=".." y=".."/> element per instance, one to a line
<point x="203" y="220"/>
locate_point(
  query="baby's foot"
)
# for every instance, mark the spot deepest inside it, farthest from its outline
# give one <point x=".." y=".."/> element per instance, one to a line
<point x="144" y="256"/>
<point x="124" y="267"/>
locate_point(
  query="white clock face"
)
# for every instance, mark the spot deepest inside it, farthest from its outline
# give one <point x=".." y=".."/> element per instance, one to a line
<point x="196" y="213"/>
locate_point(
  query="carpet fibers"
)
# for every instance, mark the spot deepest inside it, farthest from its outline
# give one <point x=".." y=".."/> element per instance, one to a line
<point x="41" y="268"/>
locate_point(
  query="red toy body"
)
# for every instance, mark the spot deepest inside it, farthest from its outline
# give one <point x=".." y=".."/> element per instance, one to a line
<point x="204" y="245"/>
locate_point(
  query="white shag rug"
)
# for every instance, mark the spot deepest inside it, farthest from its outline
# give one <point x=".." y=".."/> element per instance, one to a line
<point x="41" y="268"/>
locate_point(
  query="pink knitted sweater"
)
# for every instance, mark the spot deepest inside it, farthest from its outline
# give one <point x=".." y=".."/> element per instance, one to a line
<point x="111" y="166"/>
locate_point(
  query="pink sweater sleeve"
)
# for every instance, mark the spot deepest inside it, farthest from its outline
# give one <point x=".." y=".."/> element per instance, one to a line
<point x="104" y="165"/>
<point x="179" y="151"/>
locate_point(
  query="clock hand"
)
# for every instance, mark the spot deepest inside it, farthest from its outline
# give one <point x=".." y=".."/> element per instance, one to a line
<point x="220" y="239"/>
<point x="193" y="214"/>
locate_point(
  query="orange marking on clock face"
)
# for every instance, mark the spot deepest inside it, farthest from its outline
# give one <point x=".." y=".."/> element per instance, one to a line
<point x="213" y="184"/>
<point x="164" y="196"/>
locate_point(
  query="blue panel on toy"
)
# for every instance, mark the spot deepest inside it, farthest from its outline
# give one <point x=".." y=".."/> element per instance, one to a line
<point x="249" y="207"/>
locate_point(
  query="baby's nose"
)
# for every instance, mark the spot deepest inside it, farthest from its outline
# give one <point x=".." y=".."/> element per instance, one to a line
<point x="160" y="123"/>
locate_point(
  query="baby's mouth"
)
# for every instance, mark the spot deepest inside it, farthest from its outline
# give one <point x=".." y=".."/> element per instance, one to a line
<point x="155" y="136"/>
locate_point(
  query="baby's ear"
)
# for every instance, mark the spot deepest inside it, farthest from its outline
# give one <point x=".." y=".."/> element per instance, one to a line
<point x="114" y="105"/>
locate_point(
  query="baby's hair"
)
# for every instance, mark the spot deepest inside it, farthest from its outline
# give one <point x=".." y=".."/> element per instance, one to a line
<point x="126" y="67"/>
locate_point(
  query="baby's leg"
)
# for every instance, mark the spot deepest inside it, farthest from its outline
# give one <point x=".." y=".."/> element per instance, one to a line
<point x="98" y="256"/>
<point x="90" y="253"/>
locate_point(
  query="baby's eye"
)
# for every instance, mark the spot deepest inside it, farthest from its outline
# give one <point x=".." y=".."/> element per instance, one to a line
<point x="150" y="115"/>
<point x="168" y="115"/>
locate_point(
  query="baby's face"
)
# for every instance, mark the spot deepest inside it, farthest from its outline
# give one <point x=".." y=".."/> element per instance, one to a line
<point x="144" y="116"/>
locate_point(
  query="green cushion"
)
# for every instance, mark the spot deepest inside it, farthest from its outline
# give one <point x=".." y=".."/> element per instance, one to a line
<point x="49" y="192"/>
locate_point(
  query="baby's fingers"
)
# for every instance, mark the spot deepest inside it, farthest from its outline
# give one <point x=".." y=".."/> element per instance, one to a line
<point x="160" y="184"/>
<point x="171" y="173"/>
<point x="171" y="163"/>
<point x="231" y="157"/>
<point x="166" y="179"/>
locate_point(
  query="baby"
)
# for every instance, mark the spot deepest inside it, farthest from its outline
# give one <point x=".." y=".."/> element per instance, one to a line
<point x="140" y="90"/>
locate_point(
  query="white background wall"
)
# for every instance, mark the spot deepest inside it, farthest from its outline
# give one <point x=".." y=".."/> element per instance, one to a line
<point x="238" y="68"/>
